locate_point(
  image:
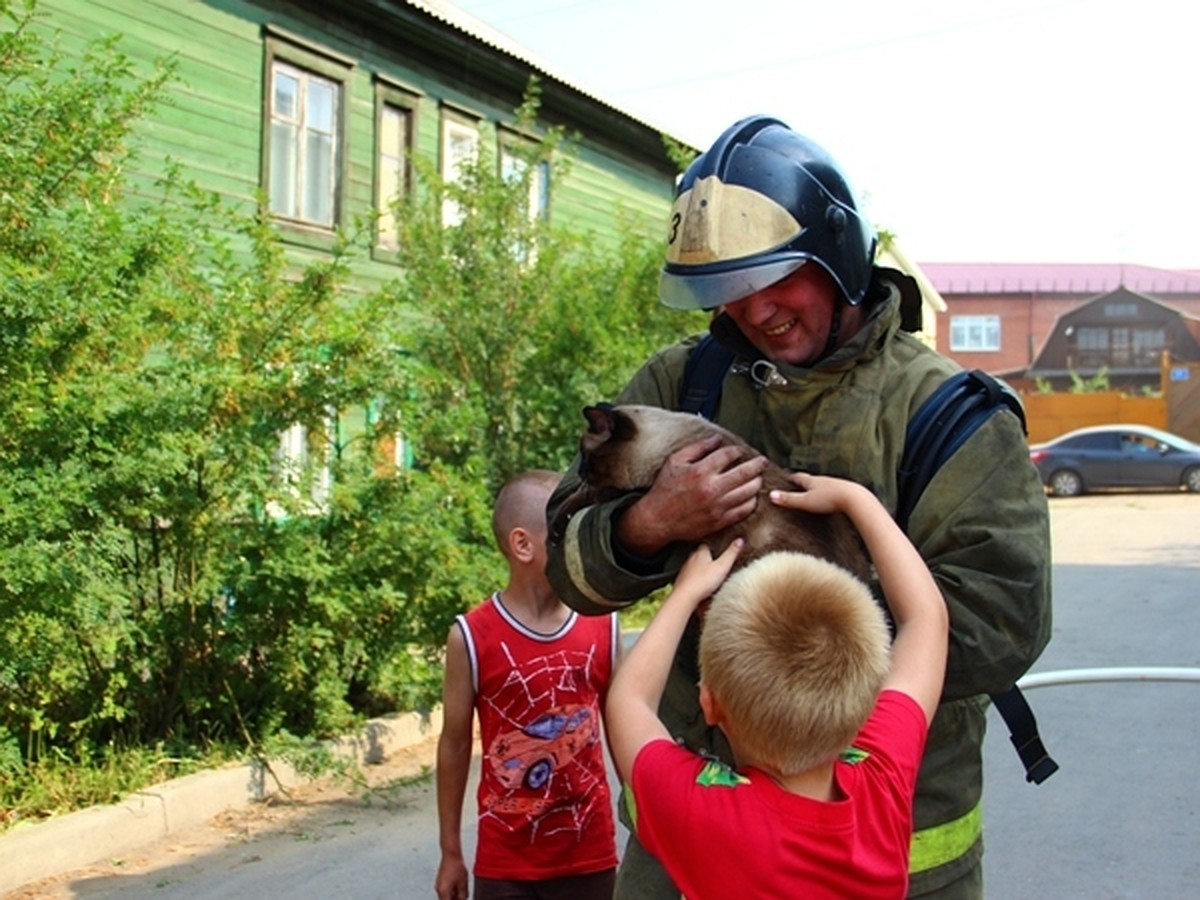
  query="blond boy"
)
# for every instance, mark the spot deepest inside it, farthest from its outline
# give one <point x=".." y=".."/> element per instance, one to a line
<point x="826" y="716"/>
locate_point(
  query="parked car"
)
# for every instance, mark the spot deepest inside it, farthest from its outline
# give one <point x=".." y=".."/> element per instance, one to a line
<point x="1117" y="456"/>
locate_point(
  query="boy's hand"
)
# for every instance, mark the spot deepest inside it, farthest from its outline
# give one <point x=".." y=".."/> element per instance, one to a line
<point x="820" y="494"/>
<point x="701" y="574"/>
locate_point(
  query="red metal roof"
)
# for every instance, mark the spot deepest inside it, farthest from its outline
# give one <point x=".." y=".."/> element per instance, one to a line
<point x="1058" y="278"/>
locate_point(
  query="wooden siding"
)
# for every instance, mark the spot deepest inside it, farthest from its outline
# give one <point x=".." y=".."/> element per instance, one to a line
<point x="212" y="123"/>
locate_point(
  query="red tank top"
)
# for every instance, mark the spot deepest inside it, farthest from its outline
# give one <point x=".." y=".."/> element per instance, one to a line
<point x="545" y="810"/>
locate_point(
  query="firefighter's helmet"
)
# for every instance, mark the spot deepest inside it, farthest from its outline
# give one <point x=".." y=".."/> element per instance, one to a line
<point x="760" y="203"/>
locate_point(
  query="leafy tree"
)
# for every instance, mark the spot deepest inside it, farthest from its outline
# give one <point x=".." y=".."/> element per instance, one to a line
<point x="167" y="578"/>
<point x="519" y="323"/>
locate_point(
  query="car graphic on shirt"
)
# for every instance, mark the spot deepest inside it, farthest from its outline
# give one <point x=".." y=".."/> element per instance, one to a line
<point x="529" y="756"/>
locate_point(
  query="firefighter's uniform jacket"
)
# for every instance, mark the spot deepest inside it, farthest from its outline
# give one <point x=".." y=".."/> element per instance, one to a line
<point x="981" y="524"/>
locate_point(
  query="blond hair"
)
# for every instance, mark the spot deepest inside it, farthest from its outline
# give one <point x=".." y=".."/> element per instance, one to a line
<point x="794" y="650"/>
<point x="521" y="503"/>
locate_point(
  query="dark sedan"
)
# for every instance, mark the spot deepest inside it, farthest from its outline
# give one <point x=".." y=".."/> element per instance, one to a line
<point x="1117" y="456"/>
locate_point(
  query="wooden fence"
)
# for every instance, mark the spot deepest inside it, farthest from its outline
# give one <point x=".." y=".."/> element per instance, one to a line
<point x="1176" y="408"/>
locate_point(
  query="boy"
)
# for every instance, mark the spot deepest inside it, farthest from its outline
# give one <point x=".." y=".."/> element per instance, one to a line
<point x="536" y="673"/>
<point x="794" y="668"/>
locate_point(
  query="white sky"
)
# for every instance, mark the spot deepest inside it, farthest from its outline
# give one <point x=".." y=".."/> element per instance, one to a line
<point x="976" y="131"/>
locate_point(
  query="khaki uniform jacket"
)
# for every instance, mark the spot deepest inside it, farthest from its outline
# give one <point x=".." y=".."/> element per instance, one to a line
<point x="981" y="525"/>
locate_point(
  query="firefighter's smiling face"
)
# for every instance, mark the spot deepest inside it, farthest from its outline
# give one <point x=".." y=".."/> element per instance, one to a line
<point x="789" y="321"/>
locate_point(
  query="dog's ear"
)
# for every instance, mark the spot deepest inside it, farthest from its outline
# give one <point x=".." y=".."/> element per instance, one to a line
<point x="600" y="427"/>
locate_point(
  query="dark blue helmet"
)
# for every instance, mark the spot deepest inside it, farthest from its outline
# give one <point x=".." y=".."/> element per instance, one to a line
<point x="759" y="204"/>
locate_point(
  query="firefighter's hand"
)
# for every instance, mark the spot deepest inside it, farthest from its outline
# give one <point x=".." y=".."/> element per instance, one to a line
<point x="699" y="490"/>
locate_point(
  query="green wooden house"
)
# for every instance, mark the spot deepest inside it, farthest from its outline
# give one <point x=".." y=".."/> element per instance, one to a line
<point x="322" y="105"/>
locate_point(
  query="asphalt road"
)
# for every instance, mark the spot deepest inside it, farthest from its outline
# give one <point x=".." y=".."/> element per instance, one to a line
<point x="1119" y="820"/>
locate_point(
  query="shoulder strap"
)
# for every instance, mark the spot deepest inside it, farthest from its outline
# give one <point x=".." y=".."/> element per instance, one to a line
<point x="942" y="424"/>
<point x="703" y="376"/>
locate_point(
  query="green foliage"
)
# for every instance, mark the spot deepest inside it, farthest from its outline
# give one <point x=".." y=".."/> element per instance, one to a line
<point x="1082" y="385"/>
<point x="169" y="582"/>
<point x="679" y="153"/>
<point x="521" y="324"/>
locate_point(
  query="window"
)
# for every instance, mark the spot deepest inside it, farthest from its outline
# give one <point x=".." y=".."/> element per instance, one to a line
<point x="514" y="163"/>
<point x="1125" y="347"/>
<point x="302" y="463"/>
<point x="304" y="114"/>
<point x="1091" y="345"/>
<point x="394" y="119"/>
<point x="970" y="334"/>
<point x="1148" y="346"/>
<point x="519" y="166"/>
<point x="460" y="148"/>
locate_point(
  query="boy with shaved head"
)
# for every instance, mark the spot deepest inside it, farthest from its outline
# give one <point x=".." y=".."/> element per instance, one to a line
<point x="535" y="673"/>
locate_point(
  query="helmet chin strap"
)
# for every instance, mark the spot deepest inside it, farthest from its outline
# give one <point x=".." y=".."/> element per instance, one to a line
<point x="835" y="327"/>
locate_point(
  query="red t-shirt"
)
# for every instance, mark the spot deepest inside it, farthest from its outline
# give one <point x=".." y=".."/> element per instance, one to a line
<point x="545" y="810"/>
<point x="723" y="833"/>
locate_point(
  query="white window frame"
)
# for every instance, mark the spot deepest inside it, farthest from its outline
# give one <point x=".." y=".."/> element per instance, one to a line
<point x="395" y="125"/>
<point x="292" y="193"/>
<point x="975" y="334"/>
<point x="459" y="148"/>
<point x="512" y="168"/>
<point x="303" y="191"/>
<point x="293" y="458"/>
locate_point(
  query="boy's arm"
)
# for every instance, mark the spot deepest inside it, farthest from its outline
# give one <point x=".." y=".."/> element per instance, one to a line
<point x="455" y="745"/>
<point x="919" y="650"/>
<point x="631" y="712"/>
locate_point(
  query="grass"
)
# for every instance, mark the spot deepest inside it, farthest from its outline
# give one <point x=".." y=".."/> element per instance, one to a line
<point x="59" y="783"/>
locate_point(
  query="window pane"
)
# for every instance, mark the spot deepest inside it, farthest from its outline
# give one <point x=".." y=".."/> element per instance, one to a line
<point x="392" y="132"/>
<point x="283" y="169"/>
<point x="393" y="141"/>
<point x="321" y="110"/>
<point x="318" y="179"/>
<point x="287" y="89"/>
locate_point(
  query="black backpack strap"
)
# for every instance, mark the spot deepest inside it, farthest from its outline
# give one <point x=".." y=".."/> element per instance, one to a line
<point x="941" y="425"/>
<point x="703" y="376"/>
<point x="1023" y="732"/>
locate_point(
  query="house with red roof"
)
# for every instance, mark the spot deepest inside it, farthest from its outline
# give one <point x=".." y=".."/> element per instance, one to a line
<point x="1053" y="321"/>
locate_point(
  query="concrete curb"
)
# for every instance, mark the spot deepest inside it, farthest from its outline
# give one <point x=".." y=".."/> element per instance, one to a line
<point x="42" y="849"/>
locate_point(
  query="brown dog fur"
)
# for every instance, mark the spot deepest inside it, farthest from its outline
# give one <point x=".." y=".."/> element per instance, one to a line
<point x="625" y="446"/>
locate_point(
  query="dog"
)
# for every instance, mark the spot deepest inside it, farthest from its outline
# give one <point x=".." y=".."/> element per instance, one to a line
<point x="625" y="446"/>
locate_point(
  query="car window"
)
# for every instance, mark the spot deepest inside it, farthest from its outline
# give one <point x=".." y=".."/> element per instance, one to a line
<point x="1092" y="442"/>
<point x="1141" y="444"/>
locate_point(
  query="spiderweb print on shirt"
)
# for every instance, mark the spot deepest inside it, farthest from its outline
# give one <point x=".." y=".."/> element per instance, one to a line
<point x="542" y="770"/>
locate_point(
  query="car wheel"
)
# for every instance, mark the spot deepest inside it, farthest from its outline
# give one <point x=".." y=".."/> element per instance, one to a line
<point x="1191" y="479"/>
<point x="1065" y="483"/>
<point x="538" y="774"/>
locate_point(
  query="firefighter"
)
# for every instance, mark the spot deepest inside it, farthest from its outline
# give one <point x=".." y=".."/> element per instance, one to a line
<point x="765" y="232"/>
